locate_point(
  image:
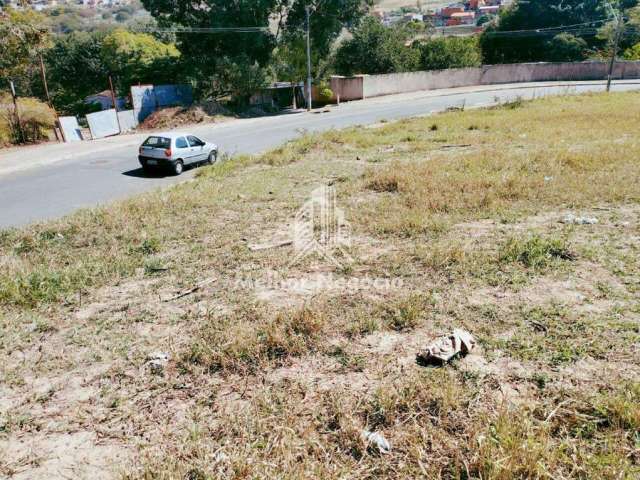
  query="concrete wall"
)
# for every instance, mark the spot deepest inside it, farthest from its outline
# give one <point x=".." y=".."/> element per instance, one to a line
<point x="355" y="88"/>
<point x="71" y="129"/>
<point x="127" y="120"/>
<point x="103" y="124"/>
<point x="349" y="88"/>
<point x="377" y="85"/>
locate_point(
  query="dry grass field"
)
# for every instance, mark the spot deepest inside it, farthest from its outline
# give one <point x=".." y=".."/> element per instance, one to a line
<point x="457" y="214"/>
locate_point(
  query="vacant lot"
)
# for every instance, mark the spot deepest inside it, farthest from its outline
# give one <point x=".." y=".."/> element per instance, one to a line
<point x="273" y="371"/>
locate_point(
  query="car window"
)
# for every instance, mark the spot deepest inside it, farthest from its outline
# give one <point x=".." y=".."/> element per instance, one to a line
<point x="194" y="141"/>
<point x="181" y="143"/>
<point x="157" y="142"/>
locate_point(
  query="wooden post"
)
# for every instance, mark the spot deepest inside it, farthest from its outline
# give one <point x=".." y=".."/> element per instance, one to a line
<point x="17" y="112"/>
<point x="46" y="91"/>
<point x="115" y="105"/>
<point x="295" y="101"/>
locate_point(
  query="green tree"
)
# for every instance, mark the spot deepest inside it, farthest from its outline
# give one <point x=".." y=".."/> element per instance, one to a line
<point x="138" y="58"/>
<point x="24" y="37"/>
<point x="207" y="55"/>
<point x="515" y="39"/>
<point x="450" y="52"/>
<point x="375" y="48"/>
<point x="75" y="69"/>
<point x="565" y="47"/>
<point x="328" y="19"/>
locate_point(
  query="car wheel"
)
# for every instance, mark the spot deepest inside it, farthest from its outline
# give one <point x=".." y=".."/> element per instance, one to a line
<point x="213" y="157"/>
<point x="178" y="167"/>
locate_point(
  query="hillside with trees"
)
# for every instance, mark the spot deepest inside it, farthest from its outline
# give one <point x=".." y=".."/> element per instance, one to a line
<point x="227" y="50"/>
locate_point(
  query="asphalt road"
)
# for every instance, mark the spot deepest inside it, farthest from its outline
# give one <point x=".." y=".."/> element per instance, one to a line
<point x="111" y="171"/>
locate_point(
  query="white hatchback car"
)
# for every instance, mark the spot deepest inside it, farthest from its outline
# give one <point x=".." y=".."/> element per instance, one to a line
<point x="173" y="151"/>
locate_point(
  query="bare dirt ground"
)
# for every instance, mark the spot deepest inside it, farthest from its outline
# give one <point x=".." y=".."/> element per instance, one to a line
<point x="275" y="367"/>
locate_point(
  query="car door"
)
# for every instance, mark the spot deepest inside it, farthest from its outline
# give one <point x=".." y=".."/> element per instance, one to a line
<point x="197" y="147"/>
<point x="183" y="150"/>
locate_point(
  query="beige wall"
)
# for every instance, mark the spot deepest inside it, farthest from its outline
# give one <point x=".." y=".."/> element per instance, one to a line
<point x="349" y="88"/>
<point x="355" y="88"/>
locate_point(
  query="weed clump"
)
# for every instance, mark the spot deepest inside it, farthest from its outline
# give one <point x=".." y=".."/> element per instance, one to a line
<point x="536" y="252"/>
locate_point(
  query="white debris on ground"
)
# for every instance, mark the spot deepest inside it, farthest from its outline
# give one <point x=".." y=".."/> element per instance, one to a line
<point x="572" y="219"/>
<point x="157" y="361"/>
<point x="446" y="347"/>
<point x="376" y="439"/>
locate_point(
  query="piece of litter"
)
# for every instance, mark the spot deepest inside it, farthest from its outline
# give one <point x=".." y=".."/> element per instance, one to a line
<point x="157" y="361"/>
<point x="191" y="290"/>
<point x="446" y="347"/>
<point x="548" y="179"/>
<point x="265" y="246"/>
<point x="571" y="219"/>
<point x="377" y="439"/>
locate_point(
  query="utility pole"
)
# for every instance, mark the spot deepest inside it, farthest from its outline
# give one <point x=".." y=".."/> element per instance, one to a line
<point x="17" y="112"/>
<point x="308" y="58"/>
<point x="115" y="105"/>
<point x="46" y="91"/>
<point x="616" y="41"/>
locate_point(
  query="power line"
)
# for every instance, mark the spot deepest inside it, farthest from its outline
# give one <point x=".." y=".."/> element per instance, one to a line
<point x="545" y="29"/>
<point x="202" y="29"/>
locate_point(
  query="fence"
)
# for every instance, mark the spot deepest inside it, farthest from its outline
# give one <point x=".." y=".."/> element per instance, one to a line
<point x="145" y="98"/>
<point x="364" y="86"/>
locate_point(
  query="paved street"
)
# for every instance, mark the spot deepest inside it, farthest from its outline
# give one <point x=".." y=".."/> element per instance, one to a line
<point x="42" y="182"/>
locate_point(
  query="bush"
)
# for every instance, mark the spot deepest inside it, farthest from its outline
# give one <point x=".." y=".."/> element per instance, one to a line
<point x="325" y="93"/>
<point x="565" y="47"/>
<point x="36" y="119"/>
<point x="632" y="53"/>
<point x="450" y="52"/>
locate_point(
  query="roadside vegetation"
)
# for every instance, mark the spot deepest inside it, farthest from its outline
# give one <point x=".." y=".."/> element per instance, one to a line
<point x="264" y="42"/>
<point x="279" y="379"/>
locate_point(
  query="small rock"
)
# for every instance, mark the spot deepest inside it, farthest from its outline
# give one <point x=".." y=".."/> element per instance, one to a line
<point x="376" y="439"/>
<point x="157" y="362"/>
<point x="548" y="179"/>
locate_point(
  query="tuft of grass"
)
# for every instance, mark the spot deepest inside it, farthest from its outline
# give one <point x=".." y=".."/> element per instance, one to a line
<point x="535" y="251"/>
<point x="254" y="338"/>
<point x="386" y="182"/>
<point x="404" y="313"/>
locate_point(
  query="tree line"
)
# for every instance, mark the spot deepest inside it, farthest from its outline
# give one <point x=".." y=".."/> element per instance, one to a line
<point x="247" y="43"/>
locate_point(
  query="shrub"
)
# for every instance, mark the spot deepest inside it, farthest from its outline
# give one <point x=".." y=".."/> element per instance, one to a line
<point x="36" y="119"/>
<point x="325" y="92"/>
<point x="450" y="52"/>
